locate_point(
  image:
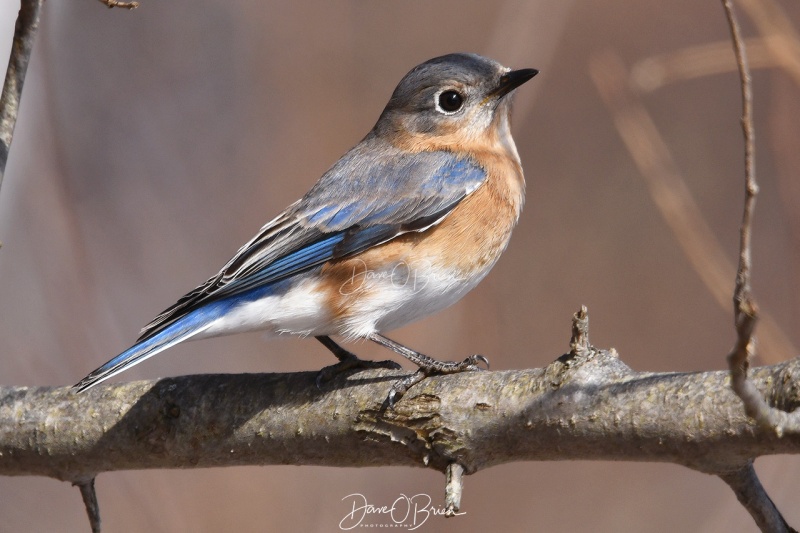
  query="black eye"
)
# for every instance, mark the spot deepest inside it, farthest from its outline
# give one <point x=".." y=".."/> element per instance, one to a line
<point x="450" y="101"/>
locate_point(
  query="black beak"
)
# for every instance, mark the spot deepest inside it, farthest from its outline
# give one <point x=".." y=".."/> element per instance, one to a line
<point x="512" y="80"/>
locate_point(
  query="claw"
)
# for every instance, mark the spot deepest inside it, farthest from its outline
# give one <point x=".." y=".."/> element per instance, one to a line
<point x="319" y="379"/>
<point x="401" y="386"/>
<point x="391" y="399"/>
<point x="475" y="359"/>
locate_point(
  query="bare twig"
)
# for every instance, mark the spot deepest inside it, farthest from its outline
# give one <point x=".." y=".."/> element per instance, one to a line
<point x="24" y="35"/>
<point x="743" y="296"/>
<point x="579" y="341"/>
<point x="745" y="308"/>
<point x="453" y="489"/>
<point x="121" y="5"/>
<point x="745" y="482"/>
<point x="754" y="498"/>
<point x="679" y="210"/>
<point x="90" y="502"/>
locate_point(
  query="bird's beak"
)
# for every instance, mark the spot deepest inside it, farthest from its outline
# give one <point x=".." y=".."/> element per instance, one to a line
<point x="512" y="80"/>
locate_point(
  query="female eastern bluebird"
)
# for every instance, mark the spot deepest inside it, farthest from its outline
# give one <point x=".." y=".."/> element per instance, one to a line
<point x="403" y="225"/>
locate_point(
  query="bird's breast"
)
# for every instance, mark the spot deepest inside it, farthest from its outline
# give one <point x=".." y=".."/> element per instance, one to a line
<point x="419" y="273"/>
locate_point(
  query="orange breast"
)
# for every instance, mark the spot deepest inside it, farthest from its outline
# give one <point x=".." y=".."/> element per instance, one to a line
<point x="463" y="246"/>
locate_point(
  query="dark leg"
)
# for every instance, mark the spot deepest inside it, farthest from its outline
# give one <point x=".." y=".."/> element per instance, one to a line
<point x="347" y="361"/>
<point x="427" y="366"/>
<point x="340" y="353"/>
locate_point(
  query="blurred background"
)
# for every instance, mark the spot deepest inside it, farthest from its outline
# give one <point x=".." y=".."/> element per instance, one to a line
<point x="151" y="144"/>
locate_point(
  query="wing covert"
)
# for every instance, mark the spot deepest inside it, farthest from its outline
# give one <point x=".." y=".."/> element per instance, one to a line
<point x="370" y="196"/>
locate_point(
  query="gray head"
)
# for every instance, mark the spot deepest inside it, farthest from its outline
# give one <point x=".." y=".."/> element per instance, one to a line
<point x="455" y="94"/>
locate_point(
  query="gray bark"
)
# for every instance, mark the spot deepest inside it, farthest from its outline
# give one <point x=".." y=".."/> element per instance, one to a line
<point x="584" y="406"/>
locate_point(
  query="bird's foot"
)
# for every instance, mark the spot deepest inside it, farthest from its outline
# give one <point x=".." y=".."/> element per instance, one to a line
<point x="432" y="367"/>
<point x="348" y="362"/>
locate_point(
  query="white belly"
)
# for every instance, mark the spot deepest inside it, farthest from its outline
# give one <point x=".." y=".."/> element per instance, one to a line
<point x="301" y="310"/>
<point x="372" y="300"/>
<point x="389" y="299"/>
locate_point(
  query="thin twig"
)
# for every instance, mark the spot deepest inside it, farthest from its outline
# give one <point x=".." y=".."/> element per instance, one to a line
<point x="121" y="5"/>
<point x="453" y="489"/>
<point x="745" y="308"/>
<point x="24" y="35"/>
<point x="754" y="498"/>
<point x="751" y="187"/>
<point x="90" y="501"/>
<point x="579" y="341"/>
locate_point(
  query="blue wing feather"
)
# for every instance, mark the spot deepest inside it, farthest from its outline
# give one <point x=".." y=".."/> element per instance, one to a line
<point x="303" y="259"/>
<point x="371" y="195"/>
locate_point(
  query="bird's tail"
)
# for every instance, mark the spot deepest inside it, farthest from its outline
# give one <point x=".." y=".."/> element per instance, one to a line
<point x="179" y="331"/>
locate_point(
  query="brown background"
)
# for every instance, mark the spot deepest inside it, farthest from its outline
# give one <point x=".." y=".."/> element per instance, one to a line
<point x="151" y="144"/>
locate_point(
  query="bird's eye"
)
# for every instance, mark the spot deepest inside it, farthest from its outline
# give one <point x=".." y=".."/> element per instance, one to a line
<point x="450" y="101"/>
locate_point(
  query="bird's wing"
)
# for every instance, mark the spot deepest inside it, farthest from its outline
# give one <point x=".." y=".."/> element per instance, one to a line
<point x="369" y="197"/>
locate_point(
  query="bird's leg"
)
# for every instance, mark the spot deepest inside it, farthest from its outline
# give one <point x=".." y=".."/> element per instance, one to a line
<point x="427" y="366"/>
<point x="347" y="361"/>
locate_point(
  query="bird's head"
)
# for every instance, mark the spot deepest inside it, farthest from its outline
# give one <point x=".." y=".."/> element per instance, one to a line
<point x="456" y="98"/>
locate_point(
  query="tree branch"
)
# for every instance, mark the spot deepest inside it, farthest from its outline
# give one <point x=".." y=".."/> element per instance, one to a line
<point x="24" y="35"/>
<point x="585" y="405"/>
<point x="754" y="498"/>
<point x="589" y="406"/>
<point x="89" y="496"/>
<point x="121" y="5"/>
<point x="745" y="308"/>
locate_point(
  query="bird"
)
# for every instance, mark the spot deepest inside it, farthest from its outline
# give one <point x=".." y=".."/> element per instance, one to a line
<point x="402" y="226"/>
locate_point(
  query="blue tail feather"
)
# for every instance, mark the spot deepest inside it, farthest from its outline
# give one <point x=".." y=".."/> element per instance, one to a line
<point x="182" y="329"/>
<point x="179" y="331"/>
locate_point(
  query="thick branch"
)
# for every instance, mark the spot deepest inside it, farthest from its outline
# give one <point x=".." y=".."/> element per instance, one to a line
<point x="587" y="406"/>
